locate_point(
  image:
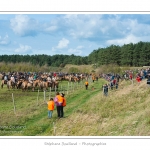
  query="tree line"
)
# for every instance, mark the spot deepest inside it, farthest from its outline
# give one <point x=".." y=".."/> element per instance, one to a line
<point x="127" y="55"/>
<point x="133" y="55"/>
<point x="41" y="60"/>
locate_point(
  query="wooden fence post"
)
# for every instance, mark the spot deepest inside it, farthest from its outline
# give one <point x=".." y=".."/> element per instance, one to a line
<point x="14" y="104"/>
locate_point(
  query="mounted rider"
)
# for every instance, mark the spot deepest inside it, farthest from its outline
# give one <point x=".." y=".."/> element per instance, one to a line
<point x="5" y="79"/>
<point x="30" y="79"/>
<point x="12" y="79"/>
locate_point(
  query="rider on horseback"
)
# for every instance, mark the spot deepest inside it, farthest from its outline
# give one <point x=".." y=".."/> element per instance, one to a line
<point x="12" y="79"/>
<point x="30" y="79"/>
<point x="5" y="79"/>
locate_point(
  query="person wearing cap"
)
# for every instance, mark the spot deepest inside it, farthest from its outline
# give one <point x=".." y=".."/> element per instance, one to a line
<point x="59" y="104"/>
<point x="50" y="104"/>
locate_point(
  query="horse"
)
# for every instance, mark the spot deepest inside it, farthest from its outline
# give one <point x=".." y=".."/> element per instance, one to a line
<point x="55" y="85"/>
<point x="43" y="85"/>
<point x="36" y="83"/>
<point x="11" y="84"/>
<point x="3" y="82"/>
<point x="1" y="76"/>
<point x="19" y="83"/>
<point x="24" y="85"/>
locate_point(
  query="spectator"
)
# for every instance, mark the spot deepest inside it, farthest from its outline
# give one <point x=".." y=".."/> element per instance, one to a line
<point x="105" y="89"/>
<point x="148" y="80"/>
<point x="50" y="104"/>
<point x="59" y="104"/>
<point x="138" y="79"/>
<point x="64" y="103"/>
<point x="86" y="85"/>
<point x="116" y="85"/>
<point x="111" y="85"/>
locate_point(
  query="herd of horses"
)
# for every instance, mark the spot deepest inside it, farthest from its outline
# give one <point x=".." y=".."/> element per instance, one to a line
<point x="26" y="85"/>
<point x="40" y="83"/>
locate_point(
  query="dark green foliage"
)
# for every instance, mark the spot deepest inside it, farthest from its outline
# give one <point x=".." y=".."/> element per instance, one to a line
<point x="127" y="55"/>
<point x="41" y="60"/>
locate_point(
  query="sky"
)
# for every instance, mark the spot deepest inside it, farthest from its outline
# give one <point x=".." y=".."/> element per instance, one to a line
<point x="68" y="34"/>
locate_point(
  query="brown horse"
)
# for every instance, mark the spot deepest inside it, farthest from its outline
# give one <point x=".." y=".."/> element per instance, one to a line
<point x="19" y="83"/>
<point x="3" y="82"/>
<point x="55" y="85"/>
<point x="36" y="83"/>
<point x="24" y="85"/>
<point x="1" y="76"/>
<point x="11" y="84"/>
<point x="43" y="85"/>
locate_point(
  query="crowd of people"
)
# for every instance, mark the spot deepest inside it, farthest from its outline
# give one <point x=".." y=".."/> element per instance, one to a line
<point x="112" y="83"/>
<point x="113" y="79"/>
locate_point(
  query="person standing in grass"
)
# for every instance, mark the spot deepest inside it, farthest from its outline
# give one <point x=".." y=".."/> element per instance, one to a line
<point x="138" y="79"/>
<point x="105" y="90"/>
<point x="64" y="103"/>
<point x="50" y="104"/>
<point x="58" y="102"/>
<point x="86" y="85"/>
<point x="148" y="80"/>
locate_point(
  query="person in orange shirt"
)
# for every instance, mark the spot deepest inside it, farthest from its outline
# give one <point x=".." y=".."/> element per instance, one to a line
<point x="86" y="85"/>
<point x="58" y="102"/>
<point x="50" y="104"/>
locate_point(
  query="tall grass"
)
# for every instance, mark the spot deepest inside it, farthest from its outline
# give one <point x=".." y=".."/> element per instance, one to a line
<point x="124" y="112"/>
<point x="25" y="67"/>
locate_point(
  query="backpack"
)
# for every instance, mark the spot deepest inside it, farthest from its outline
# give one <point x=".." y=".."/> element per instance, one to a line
<point x="64" y="102"/>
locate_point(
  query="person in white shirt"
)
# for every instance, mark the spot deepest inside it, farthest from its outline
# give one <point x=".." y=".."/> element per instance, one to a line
<point x="12" y="79"/>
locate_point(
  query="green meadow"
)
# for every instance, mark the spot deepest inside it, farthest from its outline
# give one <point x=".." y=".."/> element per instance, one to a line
<point x="125" y="112"/>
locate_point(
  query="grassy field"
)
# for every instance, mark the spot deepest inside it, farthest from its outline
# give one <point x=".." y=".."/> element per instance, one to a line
<point x="124" y="112"/>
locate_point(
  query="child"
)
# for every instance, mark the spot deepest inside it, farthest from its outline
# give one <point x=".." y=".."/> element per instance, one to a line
<point x="50" y="104"/>
<point x="86" y="85"/>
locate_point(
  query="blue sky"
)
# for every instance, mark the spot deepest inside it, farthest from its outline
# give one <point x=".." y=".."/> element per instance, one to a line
<point x="77" y="34"/>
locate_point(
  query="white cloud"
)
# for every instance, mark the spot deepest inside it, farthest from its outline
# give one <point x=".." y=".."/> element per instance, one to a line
<point x="5" y="40"/>
<point x="51" y="28"/>
<point x="63" y="32"/>
<point x="24" y="26"/>
<point x="63" y="43"/>
<point x="128" y="39"/>
<point x="23" y="49"/>
<point x="76" y="51"/>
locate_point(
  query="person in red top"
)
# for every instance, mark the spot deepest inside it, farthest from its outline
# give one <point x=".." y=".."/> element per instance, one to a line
<point x="50" y="104"/>
<point x="138" y="79"/>
<point x="130" y="76"/>
<point x="64" y="103"/>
